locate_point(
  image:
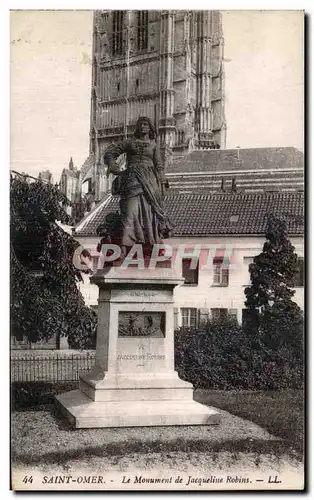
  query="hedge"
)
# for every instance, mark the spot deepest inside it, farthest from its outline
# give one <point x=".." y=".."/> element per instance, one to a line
<point x="222" y="356"/>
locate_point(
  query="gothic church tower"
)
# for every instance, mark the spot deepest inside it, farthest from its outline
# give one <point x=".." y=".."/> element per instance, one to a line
<point x="167" y="65"/>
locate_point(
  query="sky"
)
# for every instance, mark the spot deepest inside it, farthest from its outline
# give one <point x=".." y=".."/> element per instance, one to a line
<point x="51" y="79"/>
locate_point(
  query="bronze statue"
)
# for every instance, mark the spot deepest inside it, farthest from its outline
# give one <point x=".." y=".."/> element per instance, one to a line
<point x="142" y="218"/>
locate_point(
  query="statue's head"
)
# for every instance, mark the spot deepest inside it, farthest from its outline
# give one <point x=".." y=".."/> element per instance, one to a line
<point x="144" y="126"/>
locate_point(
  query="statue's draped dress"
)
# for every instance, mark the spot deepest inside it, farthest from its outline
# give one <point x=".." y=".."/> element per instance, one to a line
<point x="143" y="219"/>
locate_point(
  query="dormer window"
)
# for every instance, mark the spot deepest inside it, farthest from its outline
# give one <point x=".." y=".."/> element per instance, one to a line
<point x="234" y="218"/>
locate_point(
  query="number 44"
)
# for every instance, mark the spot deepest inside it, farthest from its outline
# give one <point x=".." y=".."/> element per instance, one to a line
<point x="27" y="479"/>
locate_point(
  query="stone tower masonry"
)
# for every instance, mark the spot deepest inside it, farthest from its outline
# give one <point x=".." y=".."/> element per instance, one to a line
<point x="167" y="65"/>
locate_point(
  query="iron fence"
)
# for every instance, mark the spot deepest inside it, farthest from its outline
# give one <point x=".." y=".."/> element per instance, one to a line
<point x="56" y="368"/>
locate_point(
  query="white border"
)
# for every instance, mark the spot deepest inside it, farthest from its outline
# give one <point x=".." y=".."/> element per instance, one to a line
<point x="4" y="196"/>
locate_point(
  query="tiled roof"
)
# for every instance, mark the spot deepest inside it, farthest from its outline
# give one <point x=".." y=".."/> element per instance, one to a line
<point x="248" y="181"/>
<point x="219" y="160"/>
<point x="216" y="213"/>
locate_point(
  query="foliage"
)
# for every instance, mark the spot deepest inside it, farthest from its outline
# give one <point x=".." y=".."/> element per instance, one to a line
<point x="221" y="355"/>
<point x="275" y="320"/>
<point x="45" y="300"/>
<point x="273" y="270"/>
<point x="211" y="355"/>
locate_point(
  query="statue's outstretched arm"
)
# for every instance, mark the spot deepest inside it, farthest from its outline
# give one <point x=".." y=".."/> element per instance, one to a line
<point x="111" y="155"/>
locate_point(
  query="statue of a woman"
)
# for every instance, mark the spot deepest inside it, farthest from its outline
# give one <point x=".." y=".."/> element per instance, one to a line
<point x="140" y="187"/>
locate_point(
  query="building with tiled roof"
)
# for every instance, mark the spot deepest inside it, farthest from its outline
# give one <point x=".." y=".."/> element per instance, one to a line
<point x="211" y="214"/>
<point x="216" y="196"/>
<point x="249" y="170"/>
<point x="234" y="224"/>
<point x="254" y="169"/>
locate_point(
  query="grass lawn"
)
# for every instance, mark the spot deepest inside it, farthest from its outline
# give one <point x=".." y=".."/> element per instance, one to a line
<point x="280" y="412"/>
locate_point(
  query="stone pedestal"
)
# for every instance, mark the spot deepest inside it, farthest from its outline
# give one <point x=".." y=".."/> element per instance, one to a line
<point x="134" y="382"/>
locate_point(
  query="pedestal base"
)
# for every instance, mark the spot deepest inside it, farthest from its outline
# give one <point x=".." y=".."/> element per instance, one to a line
<point x="133" y="382"/>
<point x="82" y="412"/>
<point x="136" y="387"/>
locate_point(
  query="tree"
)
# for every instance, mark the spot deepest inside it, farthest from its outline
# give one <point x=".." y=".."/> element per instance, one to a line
<point x="45" y="300"/>
<point x="275" y="319"/>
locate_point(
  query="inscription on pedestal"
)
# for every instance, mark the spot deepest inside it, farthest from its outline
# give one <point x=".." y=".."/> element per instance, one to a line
<point x="141" y="296"/>
<point x="142" y="324"/>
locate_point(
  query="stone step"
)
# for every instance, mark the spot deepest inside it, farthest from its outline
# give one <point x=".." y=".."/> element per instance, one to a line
<point x="82" y="412"/>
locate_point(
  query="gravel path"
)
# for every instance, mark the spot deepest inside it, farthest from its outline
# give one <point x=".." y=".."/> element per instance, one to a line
<point x="44" y="445"/>
<point x="42" y="433"/>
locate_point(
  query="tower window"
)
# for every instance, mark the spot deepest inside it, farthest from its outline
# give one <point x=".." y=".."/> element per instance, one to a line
<point x="142" y="29"/>
<point x="117" y="29"/>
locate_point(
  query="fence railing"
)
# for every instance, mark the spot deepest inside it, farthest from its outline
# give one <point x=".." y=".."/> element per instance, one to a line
<point x="56" y="368"/>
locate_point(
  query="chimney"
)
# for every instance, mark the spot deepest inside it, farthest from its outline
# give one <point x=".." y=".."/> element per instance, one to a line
<point x="234" y="185"/>
<point x="71" y="166"/>
<point x="223" y="185"/>
<point x="238" y="160"/>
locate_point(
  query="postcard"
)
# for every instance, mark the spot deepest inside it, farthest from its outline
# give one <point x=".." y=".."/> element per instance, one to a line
<point x="157" y="250"/>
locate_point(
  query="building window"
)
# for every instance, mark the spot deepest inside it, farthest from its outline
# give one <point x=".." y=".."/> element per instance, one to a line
<point x="298" y="280"/>
<point x="189" y="316"/>
<point x="189" y="274"/>
<point x="142" y="29"/>
<point x="233" y="313"/>
<point x="219" y="314"/>
<point x="117" y="30"/>
<point x="221" y="272"/>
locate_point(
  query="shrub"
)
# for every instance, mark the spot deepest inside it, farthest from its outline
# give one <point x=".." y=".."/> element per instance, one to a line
<point x="220" y="355"/>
